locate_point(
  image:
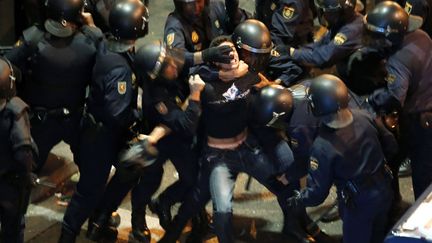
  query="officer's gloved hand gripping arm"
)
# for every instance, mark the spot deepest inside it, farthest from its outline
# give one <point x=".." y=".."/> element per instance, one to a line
<point x="219" y="54"/>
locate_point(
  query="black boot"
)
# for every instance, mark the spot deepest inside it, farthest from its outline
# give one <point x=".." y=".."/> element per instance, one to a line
<point x="163" y="211"/>
<point x="99" y="229"/>
<point x="292" y="226"/>
<point x="200" y="227"/>
<point x="320" y="236"/>
<point x="174" y="231"/>
<point x="223" y="227"/>
<point x="67" y="236"/>
<point x="115" y="220"/>
<point x="140" y="232"/>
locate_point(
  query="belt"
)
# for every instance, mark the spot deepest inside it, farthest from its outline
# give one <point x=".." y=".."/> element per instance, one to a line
<point x="42" y="113"/>
<point x="369" y="181"/>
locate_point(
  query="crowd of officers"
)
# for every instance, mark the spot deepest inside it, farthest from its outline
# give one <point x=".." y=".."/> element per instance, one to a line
<point x="224" y="92"/>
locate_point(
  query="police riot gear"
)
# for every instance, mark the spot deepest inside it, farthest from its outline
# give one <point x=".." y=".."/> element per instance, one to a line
<point x="334" y="13"/>
<point x="64" y="10"/>
<point x="253" y="42"/>
<point x="272" y="106"/>
<point x="128" y="20"/>
<point x="387" y="20"/>
<point x="151" y="59"/>
<point x="7" y="79"/>
<point x="327" y="94"/>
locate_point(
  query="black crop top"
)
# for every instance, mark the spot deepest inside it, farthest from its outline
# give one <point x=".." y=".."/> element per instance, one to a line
<point x="225" y="105"/>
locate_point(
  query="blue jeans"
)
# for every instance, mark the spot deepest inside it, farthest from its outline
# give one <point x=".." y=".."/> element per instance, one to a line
<point x="225" y="165"/>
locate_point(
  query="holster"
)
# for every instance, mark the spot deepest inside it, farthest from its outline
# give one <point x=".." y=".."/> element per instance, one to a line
<point x="90" y="127"/>
<point x="353" y="187"/>
<point x="41" y="114"/>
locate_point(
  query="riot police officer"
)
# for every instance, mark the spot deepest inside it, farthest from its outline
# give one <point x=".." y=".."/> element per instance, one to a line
<point x="350" y="151"/>
<point x="343" y="38"/>
<point x="395" y="35"/>
<point x="55" y="80"/>
<point x="289" y="21"/>
<point x="17" y="151"/>
<point x="194" y="23"/>
<point x="109" y="113"/>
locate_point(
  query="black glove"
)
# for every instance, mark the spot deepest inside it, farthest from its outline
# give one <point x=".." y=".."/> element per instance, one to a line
<point x="141" y="154"/>
<point x="219" y="54"/>
<point x="295" y="201"/>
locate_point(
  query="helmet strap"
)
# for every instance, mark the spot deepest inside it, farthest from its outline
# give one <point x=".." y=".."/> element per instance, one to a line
<point x="342" y="118"/>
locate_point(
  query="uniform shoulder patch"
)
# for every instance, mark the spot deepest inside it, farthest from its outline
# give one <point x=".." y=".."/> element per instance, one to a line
<point x="274" y="53"/>
<point x="121" y="87"/>
<point x="390" y="78"/>
<point x="339" y="39"/>
<point x="288" y="12"/>
<point x="161" y="108"/>
<point x="170" y="38"/>
<point x="313" y="163"/>
<point x="408" y="7"/>
<point x="194" y="37"/>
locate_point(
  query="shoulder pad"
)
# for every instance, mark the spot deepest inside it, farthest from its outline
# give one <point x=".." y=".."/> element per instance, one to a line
<point x="93" y="33"/>
<point x="16" y="106"/>
<point x="33" y="35"/>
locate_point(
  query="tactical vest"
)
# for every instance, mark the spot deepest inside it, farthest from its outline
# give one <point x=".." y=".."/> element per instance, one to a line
<point x="60" y="70"/>
<point x="13" y="133"/>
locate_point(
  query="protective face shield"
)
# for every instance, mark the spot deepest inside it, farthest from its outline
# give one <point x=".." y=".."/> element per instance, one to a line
<point x="387" y="24"/>
<point x="7" y="79"/>
<point x="272" y="107"/>
<point x="327" y="94"/>
<point x="128" y="20"/>
<point x="253" y="43"/>
<point x="60" y="14"/>
<point x="333" y="13"/>
<point x="158" y="62"/>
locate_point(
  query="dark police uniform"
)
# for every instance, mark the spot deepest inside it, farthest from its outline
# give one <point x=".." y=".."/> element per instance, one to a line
<point x="162" y="105"/>
<point x="422" y="8"/>
<point x="353" y="158"/>
<point x="194" y="37"/>
<point x="108" y="116"/>
<point x="334" y="47"/>
<point x="281" y="67"/>
<point x="16" y="161"/>
<point x="289" y="21"/>
<point x="56" y="74"/>
<point x="408" y="85"/>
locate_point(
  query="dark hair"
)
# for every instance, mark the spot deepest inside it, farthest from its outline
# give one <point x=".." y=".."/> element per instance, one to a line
<point x="220" y="39"/>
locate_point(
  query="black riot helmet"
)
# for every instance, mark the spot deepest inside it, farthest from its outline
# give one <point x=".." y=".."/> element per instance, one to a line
<point x="158" y="62"/>
<point x="327" y="94"/>
<point x="64" y="10"/>
<point x="7" y="79"/>
<point x="334" y="13"/>
<point x="272" y="106"/>
<point x="128" y="20"/>
<point x="253" y="43"/>
<point x="389" y="22"/>
<point x="63" y="16"/>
